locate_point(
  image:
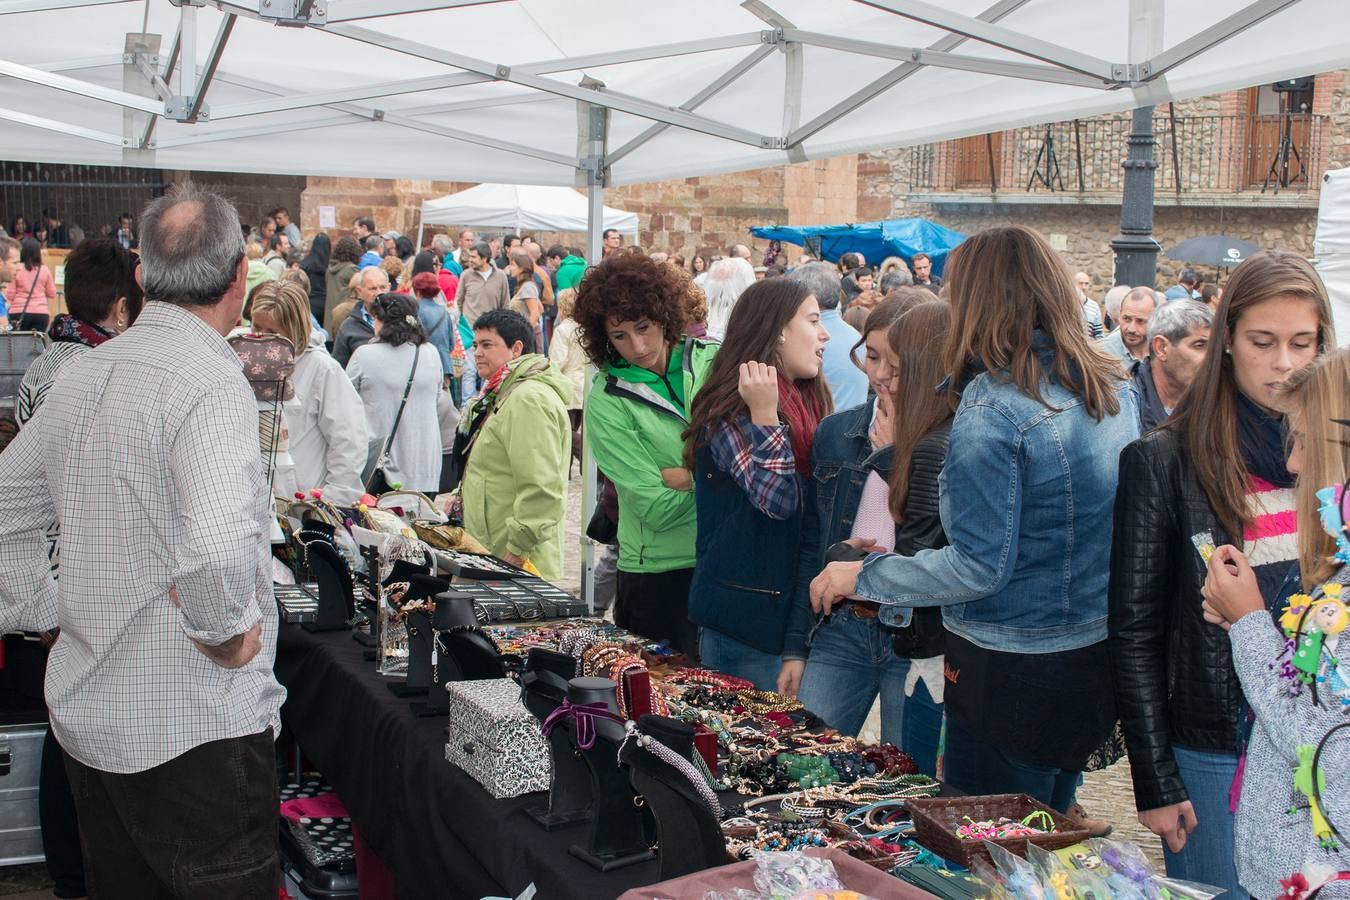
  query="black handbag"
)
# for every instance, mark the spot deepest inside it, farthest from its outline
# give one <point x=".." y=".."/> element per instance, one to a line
<point x="374" y="478"/>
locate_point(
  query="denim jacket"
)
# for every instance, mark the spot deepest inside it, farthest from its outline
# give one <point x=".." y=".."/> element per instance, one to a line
<point x="1026" y="501"/>
<point x="839" y="462"/>
<point x="842" y="458"/>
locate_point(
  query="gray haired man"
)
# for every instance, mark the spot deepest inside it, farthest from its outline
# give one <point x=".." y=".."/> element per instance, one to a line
<point x="160" y="686"/>
<point x="1178" y="338"/>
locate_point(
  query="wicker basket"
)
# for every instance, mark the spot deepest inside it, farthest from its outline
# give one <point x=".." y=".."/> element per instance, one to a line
<point x="937" y="818"/>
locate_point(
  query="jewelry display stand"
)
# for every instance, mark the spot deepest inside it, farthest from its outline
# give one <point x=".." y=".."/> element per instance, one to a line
<point x="688" y="836"/>
<point x="460" y="652"/>
<point x="337" y="596"/>
<point x="421" y="636"/>
<point x="543" y="689"/>
<point x="622" y="830"/>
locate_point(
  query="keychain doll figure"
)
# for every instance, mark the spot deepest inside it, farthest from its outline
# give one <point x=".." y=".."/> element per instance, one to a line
<point x="1322" y="625"/>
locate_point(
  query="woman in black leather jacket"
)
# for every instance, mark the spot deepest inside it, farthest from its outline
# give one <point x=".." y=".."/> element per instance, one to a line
<point x="1212" y="474"/>
<point x="854" y="658"/>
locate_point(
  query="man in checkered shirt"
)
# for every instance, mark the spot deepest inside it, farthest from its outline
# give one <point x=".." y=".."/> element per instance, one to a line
<point x="160" y="685"/>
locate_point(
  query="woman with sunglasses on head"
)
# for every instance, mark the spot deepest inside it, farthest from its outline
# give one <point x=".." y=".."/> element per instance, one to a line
<point x="853" y="659"/>
<point x="1213" y="473"/>
<point x="1287" y="661"/>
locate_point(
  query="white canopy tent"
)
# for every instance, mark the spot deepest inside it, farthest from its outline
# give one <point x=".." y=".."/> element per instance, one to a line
<point x="597" y="92"/>
<point x="1332" y="246"/>
<point x="504" y="91"/>
<point x="521" y="207"/>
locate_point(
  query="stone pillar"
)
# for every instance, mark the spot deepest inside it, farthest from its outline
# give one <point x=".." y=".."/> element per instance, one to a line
<point x="1135" y="247"/>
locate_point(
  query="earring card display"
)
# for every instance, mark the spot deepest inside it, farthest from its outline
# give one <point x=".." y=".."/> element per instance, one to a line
<point x="297" y="602"/>
<point x="497" y="602"/>
<point x="475" y="566"/>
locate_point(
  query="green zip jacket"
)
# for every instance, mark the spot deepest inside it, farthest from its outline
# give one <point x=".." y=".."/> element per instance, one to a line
<point x="515" y="483"/>
<point x="634" y="419"/>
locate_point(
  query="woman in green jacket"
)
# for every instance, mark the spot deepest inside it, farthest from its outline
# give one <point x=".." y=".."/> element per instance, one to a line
<point x="631" y="316"/>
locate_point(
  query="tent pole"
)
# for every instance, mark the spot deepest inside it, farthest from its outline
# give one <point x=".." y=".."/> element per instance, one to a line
<point x="592" y="138"/>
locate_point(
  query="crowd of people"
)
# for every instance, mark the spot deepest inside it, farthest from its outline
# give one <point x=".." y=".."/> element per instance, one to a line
<point x="1021" y="520"/>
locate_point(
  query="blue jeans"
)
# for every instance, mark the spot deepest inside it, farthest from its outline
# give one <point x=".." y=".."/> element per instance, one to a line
<point x="852" y="661"/>
<point x="728" y="655"/>
<point x="1208" y="854"/>
<point x="973" y="766"/>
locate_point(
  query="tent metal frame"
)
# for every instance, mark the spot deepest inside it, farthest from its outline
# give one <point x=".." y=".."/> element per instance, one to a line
<point x="196" y="71"/>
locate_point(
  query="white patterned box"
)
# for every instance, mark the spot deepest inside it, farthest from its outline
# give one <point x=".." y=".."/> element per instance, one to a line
<point x="495" y="739"/>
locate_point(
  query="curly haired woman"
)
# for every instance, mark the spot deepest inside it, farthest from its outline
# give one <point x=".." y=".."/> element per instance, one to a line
<point x="631" y="314"/>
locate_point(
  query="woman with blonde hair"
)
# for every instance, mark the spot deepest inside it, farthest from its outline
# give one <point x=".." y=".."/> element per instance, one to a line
<point x="1027" y="485"/>
<point x="328" y="431"/>
<point x="1213" y="474"/>
<point x="1275" y="840"/>
<point x="566" y="350"/>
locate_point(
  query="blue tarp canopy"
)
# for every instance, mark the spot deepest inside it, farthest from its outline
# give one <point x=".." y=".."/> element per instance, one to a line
<point x="874" y="240"/>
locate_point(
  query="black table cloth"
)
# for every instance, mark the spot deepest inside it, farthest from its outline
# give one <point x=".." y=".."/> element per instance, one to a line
<point x="439" y="832"/>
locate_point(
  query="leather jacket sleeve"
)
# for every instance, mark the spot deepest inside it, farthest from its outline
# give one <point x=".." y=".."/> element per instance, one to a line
<point x="922" y="528"/>
<point x="1146" y="542"/>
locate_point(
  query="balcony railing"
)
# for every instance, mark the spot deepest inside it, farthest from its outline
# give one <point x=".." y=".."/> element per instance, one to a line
<point x="1196" y="156"/>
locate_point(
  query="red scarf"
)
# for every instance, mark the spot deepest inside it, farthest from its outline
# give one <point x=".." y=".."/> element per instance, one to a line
<point x="803" y="414"/>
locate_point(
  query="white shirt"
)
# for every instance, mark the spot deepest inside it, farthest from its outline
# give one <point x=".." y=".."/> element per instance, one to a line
<point x="328" y="438"/>
<point x="379" y="373"/>
<point x="146" y="453"/>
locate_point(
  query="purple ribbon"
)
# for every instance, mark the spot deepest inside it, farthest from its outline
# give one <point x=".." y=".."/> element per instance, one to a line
<point x="585" y="715"/>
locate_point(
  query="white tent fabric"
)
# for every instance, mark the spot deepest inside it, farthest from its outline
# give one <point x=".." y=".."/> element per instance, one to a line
<point x="1332" y="246"/>
<point x="503" y="91"/>
<point x="521" y="207"/>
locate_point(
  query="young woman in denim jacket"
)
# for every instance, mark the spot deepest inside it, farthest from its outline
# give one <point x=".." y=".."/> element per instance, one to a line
<point x="853" y="656"/>
<point x="749" y="447"/>
<point x="1026" y="495"/>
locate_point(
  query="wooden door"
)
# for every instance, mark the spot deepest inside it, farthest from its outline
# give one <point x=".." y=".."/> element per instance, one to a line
<point x="975" y="157"/>
<point x="1265" y="125"/>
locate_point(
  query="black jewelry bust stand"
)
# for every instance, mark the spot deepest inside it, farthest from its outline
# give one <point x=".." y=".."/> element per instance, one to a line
<point x="337" y="595"/>
<point x="543" y="688"/>
<point x="473" y="654"/>
<point x="461" y="652"/>
<point x="622" y="830"/>
<point x="689" y="838"/>
<point x="420" y="636"/>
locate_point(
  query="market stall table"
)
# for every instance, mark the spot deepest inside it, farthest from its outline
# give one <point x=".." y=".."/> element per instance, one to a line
<point x="437" y="830"/>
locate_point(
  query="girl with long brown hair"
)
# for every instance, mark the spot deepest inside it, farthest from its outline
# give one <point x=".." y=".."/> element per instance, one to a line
<point x="748" y="445"/>
<point x="532" y="294"/>
<point x="1214" y="473"/>
<point x="1028" y="482"/>
<point x="876" y="472"/>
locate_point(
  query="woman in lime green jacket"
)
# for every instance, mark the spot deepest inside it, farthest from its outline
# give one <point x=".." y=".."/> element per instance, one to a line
<point x="631" y="313"/>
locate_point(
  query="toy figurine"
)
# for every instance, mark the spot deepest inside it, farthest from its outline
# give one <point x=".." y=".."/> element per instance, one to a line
<point x="1322" y="625"/>
<point x="1303" y="783"/>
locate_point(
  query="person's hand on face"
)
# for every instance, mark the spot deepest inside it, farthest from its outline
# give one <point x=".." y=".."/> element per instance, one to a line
<point x="758" y="387"/>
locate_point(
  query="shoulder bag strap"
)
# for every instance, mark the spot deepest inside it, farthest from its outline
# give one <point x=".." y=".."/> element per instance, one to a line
<point x="37" y="275"/>
<point x="398" y="417"/>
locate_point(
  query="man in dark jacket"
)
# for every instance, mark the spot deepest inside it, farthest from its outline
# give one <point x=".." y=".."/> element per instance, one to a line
<point x="1178" y="334"/>
<point x="358" y="328"/>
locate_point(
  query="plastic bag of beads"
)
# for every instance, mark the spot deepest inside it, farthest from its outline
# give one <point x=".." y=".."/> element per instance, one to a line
<point x="783" y="876"/>
<point x="1130" y="875"/>
<point x="1019" y="878"/>
<point x="733" y="894"/>
<point x="1056" y="878"/>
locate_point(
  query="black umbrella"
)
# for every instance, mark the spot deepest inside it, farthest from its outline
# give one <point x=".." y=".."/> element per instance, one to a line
<point x="1213" y="250"/>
